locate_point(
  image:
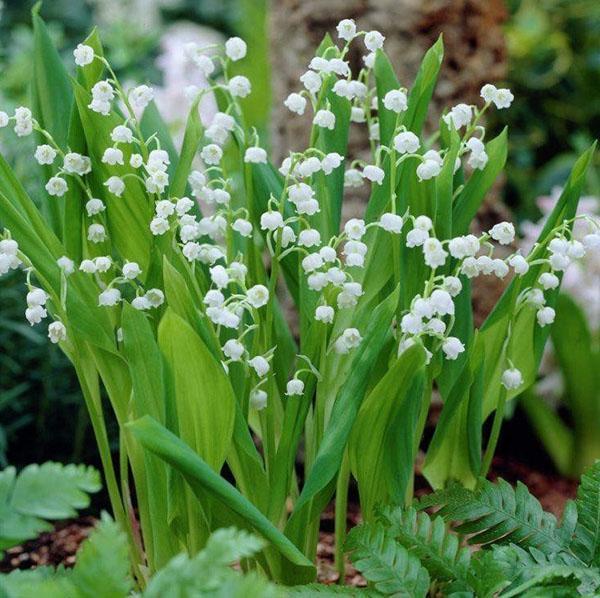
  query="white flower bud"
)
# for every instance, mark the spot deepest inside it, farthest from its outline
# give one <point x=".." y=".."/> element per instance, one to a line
<point x="88" y="266"/>
<point x="141" y="96"/>
<point x="311" y="81"/>
<point x="35" y="314"/>
<point x="211" y="154"/>
<point x="66" y="265"/>
<point x="325" y="314"/>
<point x="83" y="54"/>
<point x="406" y="143"/>
<point x="396" y="101"/>
<point x="57" y="332"/>
<point x="309" y="237"/>
<point x="96" y="233"/>
<point x="294" y="387"/>
<point x="512" y="379"/>
<point x="311" y="262"/>
<point x="325" y="119"/>
<point x="233" y="349"/>
<point x="545" y="316"/>
<point x="36" y="297"/>
<point x="519" y="264"/>
<point x="155" y="297"/>
<point x="271" y="221"/>
<point x="56" y="186"/>
<point x="122" y="134"/>
<point x="260" y="365"/>
<point x="219" y="276"/>
<point x="374" y="41"/>
<point x="159" y="226"/>
<point x="549" y="281"/>
<point x="235" y="48"/>
<point x="331" y="161"/>
<point x="355" y="228"/>
<point x="374" y="174"/>
<point x="239" y="86"/>
<point x="115" y="185"/>
<point x="346" y="29"/>
<point x="94" y="206"/>
<point x="258" y="399"/>
<point x="258" y="295"/>
<point x="452" y="347"/>
<point x="503" y="232"/>
<point x="109" y="297"/>
<point x="45" y="154"/>
<point x="214" y="298"/>
<point x="255" y="155"/>
<point x="392" y="223"/>
<point x="295" y="103"/>
<point x="131" y="270"/>
<point x="140" y="303"/>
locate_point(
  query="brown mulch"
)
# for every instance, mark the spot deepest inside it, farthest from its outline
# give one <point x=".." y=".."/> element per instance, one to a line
<point x="54" y="548"/>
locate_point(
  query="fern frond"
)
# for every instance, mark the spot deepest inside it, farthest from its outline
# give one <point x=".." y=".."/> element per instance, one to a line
<point x="586" y="544"/>
<point x="322" y="590"/>
<point x="499" y="513"/>
<point x="428" y="538"/>
<point x="41" y="492"/>
<point x="385" y="563"/>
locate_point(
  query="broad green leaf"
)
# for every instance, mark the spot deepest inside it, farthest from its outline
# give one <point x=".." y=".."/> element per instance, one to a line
<point x="470" y="198"/>
<point x="191" y="142"/>
<point x="292" y="567"/>
<point x="152" y="123"/>
<point x="52" y="101"/>
<point x="343" y="416"/>
<point x="204" y="398"/>
<point x="422" y="89"/>
<point x="129" y="215"/>
<point x="378" y="453"/>
<point x="579" y="359"/>
<point x="385" y="80"/>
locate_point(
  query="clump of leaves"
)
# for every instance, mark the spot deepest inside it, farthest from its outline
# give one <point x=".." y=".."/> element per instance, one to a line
<point x="524" y="551"/>
<point x="41" y="493"/>
<point x="103" y="570"/>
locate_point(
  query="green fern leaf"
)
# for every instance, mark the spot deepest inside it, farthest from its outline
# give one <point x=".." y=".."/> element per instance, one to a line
<point x="101" y="571"/>
<point x="210" y="570"/>
<point x="385" y="563"/>
<point x="499" y="513"/>
<point x="324" y="591"/>
<point x="438" y="550"/>
<point x="41" y="492"/>
<point x="102" y="566"/>
<point x="586" y="543"/>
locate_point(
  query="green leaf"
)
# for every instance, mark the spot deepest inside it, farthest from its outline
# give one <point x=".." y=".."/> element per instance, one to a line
<point x="498" y="513"/>
<point x="468" y="201"/>
<point x="292" y="567"/>
<point x="385" y="563"/>
<point x="208" y="571"/>
<point x="428" y="539"/>
<point x="102" y="567"/>
<point x="422" y="90"/>
<point x="586" y="543"/>
<point x="42" y="492"/>
<point x="385" y="80"/>
<point x="380" y="446"/>
<point x="578" y="360"/>
<point x="191" y="142"/>
<point x="343" y="415"/>
<point x="128" y="216"/>
<point x="152" y="123"/>
<point x="204" y="399"/>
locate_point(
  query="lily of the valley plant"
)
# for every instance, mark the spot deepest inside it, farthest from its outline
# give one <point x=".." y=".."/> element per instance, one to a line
<point x="150" y="269"/>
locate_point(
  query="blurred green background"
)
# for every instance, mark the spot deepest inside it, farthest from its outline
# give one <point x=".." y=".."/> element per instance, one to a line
<point x="553" y="70"/>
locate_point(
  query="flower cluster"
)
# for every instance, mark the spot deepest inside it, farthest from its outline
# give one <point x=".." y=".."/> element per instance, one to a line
<point x="237" y="300"/>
